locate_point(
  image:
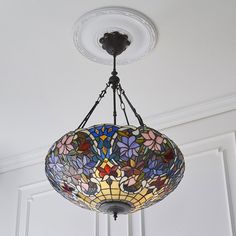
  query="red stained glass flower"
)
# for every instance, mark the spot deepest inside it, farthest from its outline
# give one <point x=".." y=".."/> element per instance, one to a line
<point x="107" y="170"/>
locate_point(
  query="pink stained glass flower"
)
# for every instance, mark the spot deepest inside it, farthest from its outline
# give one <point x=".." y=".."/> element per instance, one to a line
<point x="152" y="141"/>
<point x="65" y="145"/>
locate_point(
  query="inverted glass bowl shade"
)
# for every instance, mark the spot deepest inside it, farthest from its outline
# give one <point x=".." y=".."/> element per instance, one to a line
<point x="131" y="166"/>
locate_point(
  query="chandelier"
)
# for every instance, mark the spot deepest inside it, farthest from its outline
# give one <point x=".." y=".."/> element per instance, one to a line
<point x="110" y="168"/>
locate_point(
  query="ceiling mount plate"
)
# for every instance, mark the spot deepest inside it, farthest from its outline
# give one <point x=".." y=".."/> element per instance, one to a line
<point x="90" y="27"/>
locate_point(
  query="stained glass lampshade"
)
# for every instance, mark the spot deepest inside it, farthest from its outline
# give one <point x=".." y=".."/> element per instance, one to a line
<point x="110" y="168"/>
<point x="107" y="164"/>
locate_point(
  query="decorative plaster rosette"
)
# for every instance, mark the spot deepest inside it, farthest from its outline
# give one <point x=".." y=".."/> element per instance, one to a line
<point x="90" y="27"/>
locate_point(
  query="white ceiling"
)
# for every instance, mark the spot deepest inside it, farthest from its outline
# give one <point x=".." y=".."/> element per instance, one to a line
<point x="46" y="86"/>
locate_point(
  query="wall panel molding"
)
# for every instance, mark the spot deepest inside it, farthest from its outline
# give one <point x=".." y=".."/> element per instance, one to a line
<point x="215" y="153"/>
<point x="26" y="195"/>
<point x="228" y="193"/>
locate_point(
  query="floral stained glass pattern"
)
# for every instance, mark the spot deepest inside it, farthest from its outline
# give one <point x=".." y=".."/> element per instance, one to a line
<point x="135" y="165"/>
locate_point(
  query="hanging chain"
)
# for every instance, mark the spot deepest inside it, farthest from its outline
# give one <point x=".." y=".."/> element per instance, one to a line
<point x="114" y="82"/>
<point x="120" y="91"/>
<point x="131" y="106"/>
<point x="122" y="105"/>
<point x="101" y="95"/>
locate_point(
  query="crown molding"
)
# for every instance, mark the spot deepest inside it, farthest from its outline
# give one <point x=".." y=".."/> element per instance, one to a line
<point x="193" y="112"/>
<point x="22" y="160"/>
<point x="160" y="121"/>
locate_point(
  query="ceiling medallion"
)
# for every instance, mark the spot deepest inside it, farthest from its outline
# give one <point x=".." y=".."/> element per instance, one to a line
<point x="91" y="26"/>
<point x="111" y="168"/>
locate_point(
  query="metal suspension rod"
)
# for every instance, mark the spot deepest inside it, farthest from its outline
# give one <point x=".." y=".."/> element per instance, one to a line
<point x="114" y="105"/>
<point x="114" y="65"/>
<point x="114" y="81"/>
<point x="114" y="87"/>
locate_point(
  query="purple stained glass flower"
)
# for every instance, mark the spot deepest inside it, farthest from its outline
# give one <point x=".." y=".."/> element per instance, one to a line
<point x="54" y="164"/>
<point x="84" y="165"/>
<point x="128" y="147"/>
<point x="154" y="167"/>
